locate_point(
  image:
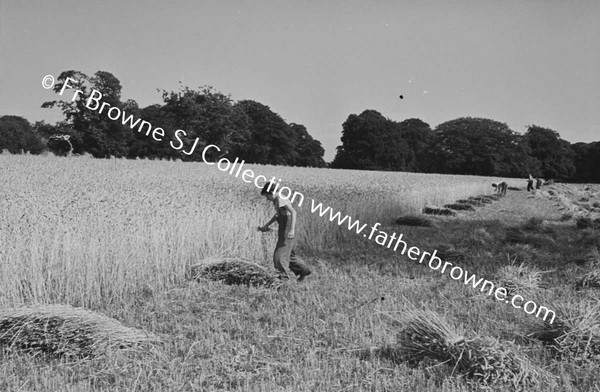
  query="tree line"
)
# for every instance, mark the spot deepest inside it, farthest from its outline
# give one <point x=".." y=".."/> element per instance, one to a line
<point x="246" y="129"/>
<point x="466" y="145"/>
<point x="253" y="132"/>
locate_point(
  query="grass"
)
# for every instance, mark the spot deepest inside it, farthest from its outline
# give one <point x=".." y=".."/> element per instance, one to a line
<point x="517" y="235"/>
<point x="588" y="223"/>
<point x="449" y="253"/>
<point x="120" y="237"/>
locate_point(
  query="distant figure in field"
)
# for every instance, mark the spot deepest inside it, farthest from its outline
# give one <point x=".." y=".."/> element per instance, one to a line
<point x="538" y="183"/>
<point x="501" y="188"/>
<point x="530" y="183"/>
<point x="284" y="254"/>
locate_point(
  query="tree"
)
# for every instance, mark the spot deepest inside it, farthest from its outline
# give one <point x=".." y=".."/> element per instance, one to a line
<point x="479" y="146"/>
<point x="207" y="117"/>
<point x="554" y="154"/>
<point x="309" y="151"/>
<point x="16" y="134"/>
<point x="419" y="137"/>
<point x="99" y="135"/>
<point x="270" y="139"/>
<point x="587" y="162"/>
<point x="371" y="142"/>
<point x="143" y="146"/>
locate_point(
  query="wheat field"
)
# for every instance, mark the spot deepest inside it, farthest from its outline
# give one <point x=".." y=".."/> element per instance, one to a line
<point x="119" y="236"/>
<point x="87" y="232"/>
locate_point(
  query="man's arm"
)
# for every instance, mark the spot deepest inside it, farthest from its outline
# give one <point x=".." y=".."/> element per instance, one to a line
<point x="269" y="223"/>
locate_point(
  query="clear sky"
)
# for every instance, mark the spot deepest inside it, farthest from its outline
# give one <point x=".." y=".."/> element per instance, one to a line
<point x="316" y="62"/>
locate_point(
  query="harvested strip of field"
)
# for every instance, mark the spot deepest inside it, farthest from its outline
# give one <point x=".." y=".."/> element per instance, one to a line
<point x="234" y="271"/>
<point x="514" y="208"/>
<point x="62" y="330"/>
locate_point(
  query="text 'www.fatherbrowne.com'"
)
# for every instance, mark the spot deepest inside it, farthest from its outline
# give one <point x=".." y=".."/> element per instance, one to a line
<point x="395" y="241"/>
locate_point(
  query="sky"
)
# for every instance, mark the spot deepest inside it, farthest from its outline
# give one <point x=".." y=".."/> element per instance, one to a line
<point x="316" y="62"/>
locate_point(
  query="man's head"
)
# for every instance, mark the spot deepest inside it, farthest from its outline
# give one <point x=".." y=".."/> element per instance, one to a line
<point x="267" y="191"/>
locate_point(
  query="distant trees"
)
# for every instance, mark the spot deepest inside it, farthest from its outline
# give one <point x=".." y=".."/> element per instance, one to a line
<point x="309" y="151"/>
<point x="191" y="119"/>
<point x="373" y="142"/>
<point x="587" y="162"/>
<point x="143" y="146"/>
<point x="419" y="138"/>
<point x="554" y="154"/>
<point x="17" y="134"/>
<point x="99" y="135"/>
<point x="205" y="117"/>
<point x="194" y="118"/>
<point x="464" y="145"/>
<point x="480" y="146"/>
<point x="271" y="140"/>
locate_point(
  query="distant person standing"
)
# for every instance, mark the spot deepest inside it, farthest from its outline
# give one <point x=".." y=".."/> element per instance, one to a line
<point x="284" y="254"/>
<point x="538" y="183"/>
<point x="530" y="183"/>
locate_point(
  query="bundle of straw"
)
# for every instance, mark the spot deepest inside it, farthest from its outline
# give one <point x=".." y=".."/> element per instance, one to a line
<point x="460" y="207"/>
<point x="475" y="202"/>
<point x="63" y="330"/>
<point x="589" y="280"/>
<point x="438" y="211"/>
<point x="519" y="278"/>
<point x="488" y="197"/>
<point x="426" y="337"/>
<point x="414" y="220"/>
<point x="234" y="271"/>
<point x="575" y="332"/>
